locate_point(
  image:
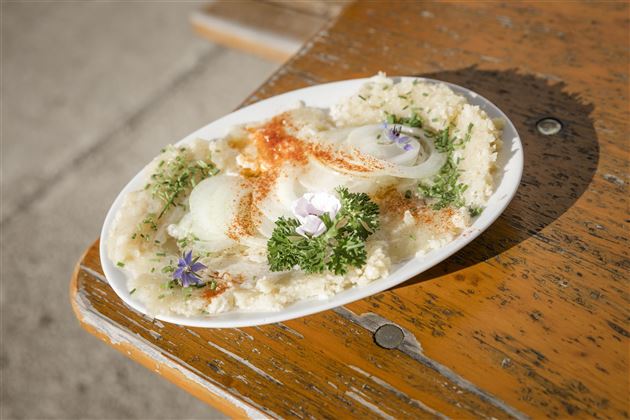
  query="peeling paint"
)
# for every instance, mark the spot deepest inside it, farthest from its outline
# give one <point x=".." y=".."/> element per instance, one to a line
<point x="406" y="398"/>
<point x="246" y="363"/>
<point x="411" y="347"/>
<point x="288" y="329"/>
<point x="373" y="408"/>
<point x="117" y="336"/>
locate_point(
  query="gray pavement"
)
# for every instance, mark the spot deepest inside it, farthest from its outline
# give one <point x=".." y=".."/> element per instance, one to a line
<point x="90" y="92"/>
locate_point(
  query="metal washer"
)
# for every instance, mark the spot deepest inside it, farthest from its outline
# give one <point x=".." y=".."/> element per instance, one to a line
<point x="389" y="336"/>
<point x="549" y="126"/>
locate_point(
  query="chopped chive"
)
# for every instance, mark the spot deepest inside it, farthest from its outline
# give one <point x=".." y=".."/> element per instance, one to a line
<point x="120" y="264"/>
<point x="132" y="291"/>
<point x="474" y="211"/>
<point x="175" y="177"/>
<point x="468" y="133"/>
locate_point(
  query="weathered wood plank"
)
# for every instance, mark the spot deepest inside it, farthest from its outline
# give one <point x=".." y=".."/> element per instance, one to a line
<point x="272" y="31"/>
<point x="531" y="319"/>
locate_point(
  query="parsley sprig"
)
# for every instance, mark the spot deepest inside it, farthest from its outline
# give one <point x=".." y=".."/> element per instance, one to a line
<point x="342" y="245"/>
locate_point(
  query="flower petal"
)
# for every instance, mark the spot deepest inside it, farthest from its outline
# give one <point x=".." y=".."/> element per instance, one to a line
<point x="188" y="257"/>
<point x="312" y="226"/>
<point x="197" y="266"/>
<point x="303" y="206"/>
<point x="326" y="203"/>
<point x="178" y="273"/>
<point x="189" y="279"/>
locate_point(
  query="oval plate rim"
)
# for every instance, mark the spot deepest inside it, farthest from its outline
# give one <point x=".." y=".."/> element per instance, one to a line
<point x="501" y="197"/>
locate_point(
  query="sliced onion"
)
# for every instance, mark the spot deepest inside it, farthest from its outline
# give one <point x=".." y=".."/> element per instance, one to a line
<point x="213" y="204"/>
<point x="284" y="192"/>
<point x="336" y="135"/>
<point x="422" y="161"/>
<point x="425" y="169"/>
<point x="372" y="140"/>
<point x="266" y="226"/>
<point x="319" y="177"/>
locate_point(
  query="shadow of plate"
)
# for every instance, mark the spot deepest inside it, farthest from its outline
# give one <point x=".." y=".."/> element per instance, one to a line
<point x="558" y="168"/>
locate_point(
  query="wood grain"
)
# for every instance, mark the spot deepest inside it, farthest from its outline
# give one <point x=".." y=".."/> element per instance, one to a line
<point x="529" y="320"/>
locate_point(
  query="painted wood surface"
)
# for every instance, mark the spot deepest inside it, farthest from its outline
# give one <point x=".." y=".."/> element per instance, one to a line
<point x="529" y="320"/>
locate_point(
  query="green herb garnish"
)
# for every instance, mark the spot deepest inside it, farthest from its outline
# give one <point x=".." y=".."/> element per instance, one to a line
<point x="120" y="264"/>
<point x="474" y="211"/>
<point x="177" y="176"/>
<point x="168" y="269"/>
<point x="414" y="121"/>
<point x="132" y="291"/>
<point x="340" y="247"/>
<point x="445" y="186"/>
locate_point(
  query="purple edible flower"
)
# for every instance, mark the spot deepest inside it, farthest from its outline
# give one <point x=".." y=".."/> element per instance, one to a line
<point x="393" y="134"/>
<point x="187" y="268"/>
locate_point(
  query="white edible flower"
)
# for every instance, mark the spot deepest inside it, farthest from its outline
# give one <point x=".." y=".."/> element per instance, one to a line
<point x="312" y="226"/>
<point x="309" y="207"/>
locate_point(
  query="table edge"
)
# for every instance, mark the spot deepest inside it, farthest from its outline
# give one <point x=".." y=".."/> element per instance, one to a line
<point x="167" y="368"/>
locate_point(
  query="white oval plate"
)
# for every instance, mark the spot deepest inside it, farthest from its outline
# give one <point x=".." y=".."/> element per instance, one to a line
<point x="507" y="179"/>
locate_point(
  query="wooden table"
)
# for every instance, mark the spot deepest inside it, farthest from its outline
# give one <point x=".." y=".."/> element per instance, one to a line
<point x="529" y="320"/>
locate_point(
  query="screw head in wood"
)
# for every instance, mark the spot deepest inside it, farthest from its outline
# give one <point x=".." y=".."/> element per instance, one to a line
<point x="389" y="336"/>
<point x="549" y="126"/>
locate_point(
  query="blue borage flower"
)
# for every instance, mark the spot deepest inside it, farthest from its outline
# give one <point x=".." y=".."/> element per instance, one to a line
<point x="187" y="268"/>
<point x="394" y="135"/>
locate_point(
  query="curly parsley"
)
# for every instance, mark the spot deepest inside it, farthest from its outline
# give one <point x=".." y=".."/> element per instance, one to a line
<point x="342" y="245"/>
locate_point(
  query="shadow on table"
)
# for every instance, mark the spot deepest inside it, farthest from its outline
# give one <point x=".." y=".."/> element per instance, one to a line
<point x="558" y="168"/>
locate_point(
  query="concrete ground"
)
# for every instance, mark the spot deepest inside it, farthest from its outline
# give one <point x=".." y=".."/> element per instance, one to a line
<point x="90" y="92"/>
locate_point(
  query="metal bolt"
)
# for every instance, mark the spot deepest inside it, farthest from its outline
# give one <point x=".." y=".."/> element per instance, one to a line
<point x="389" y="336"/>
<point x="549" y="126"/>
